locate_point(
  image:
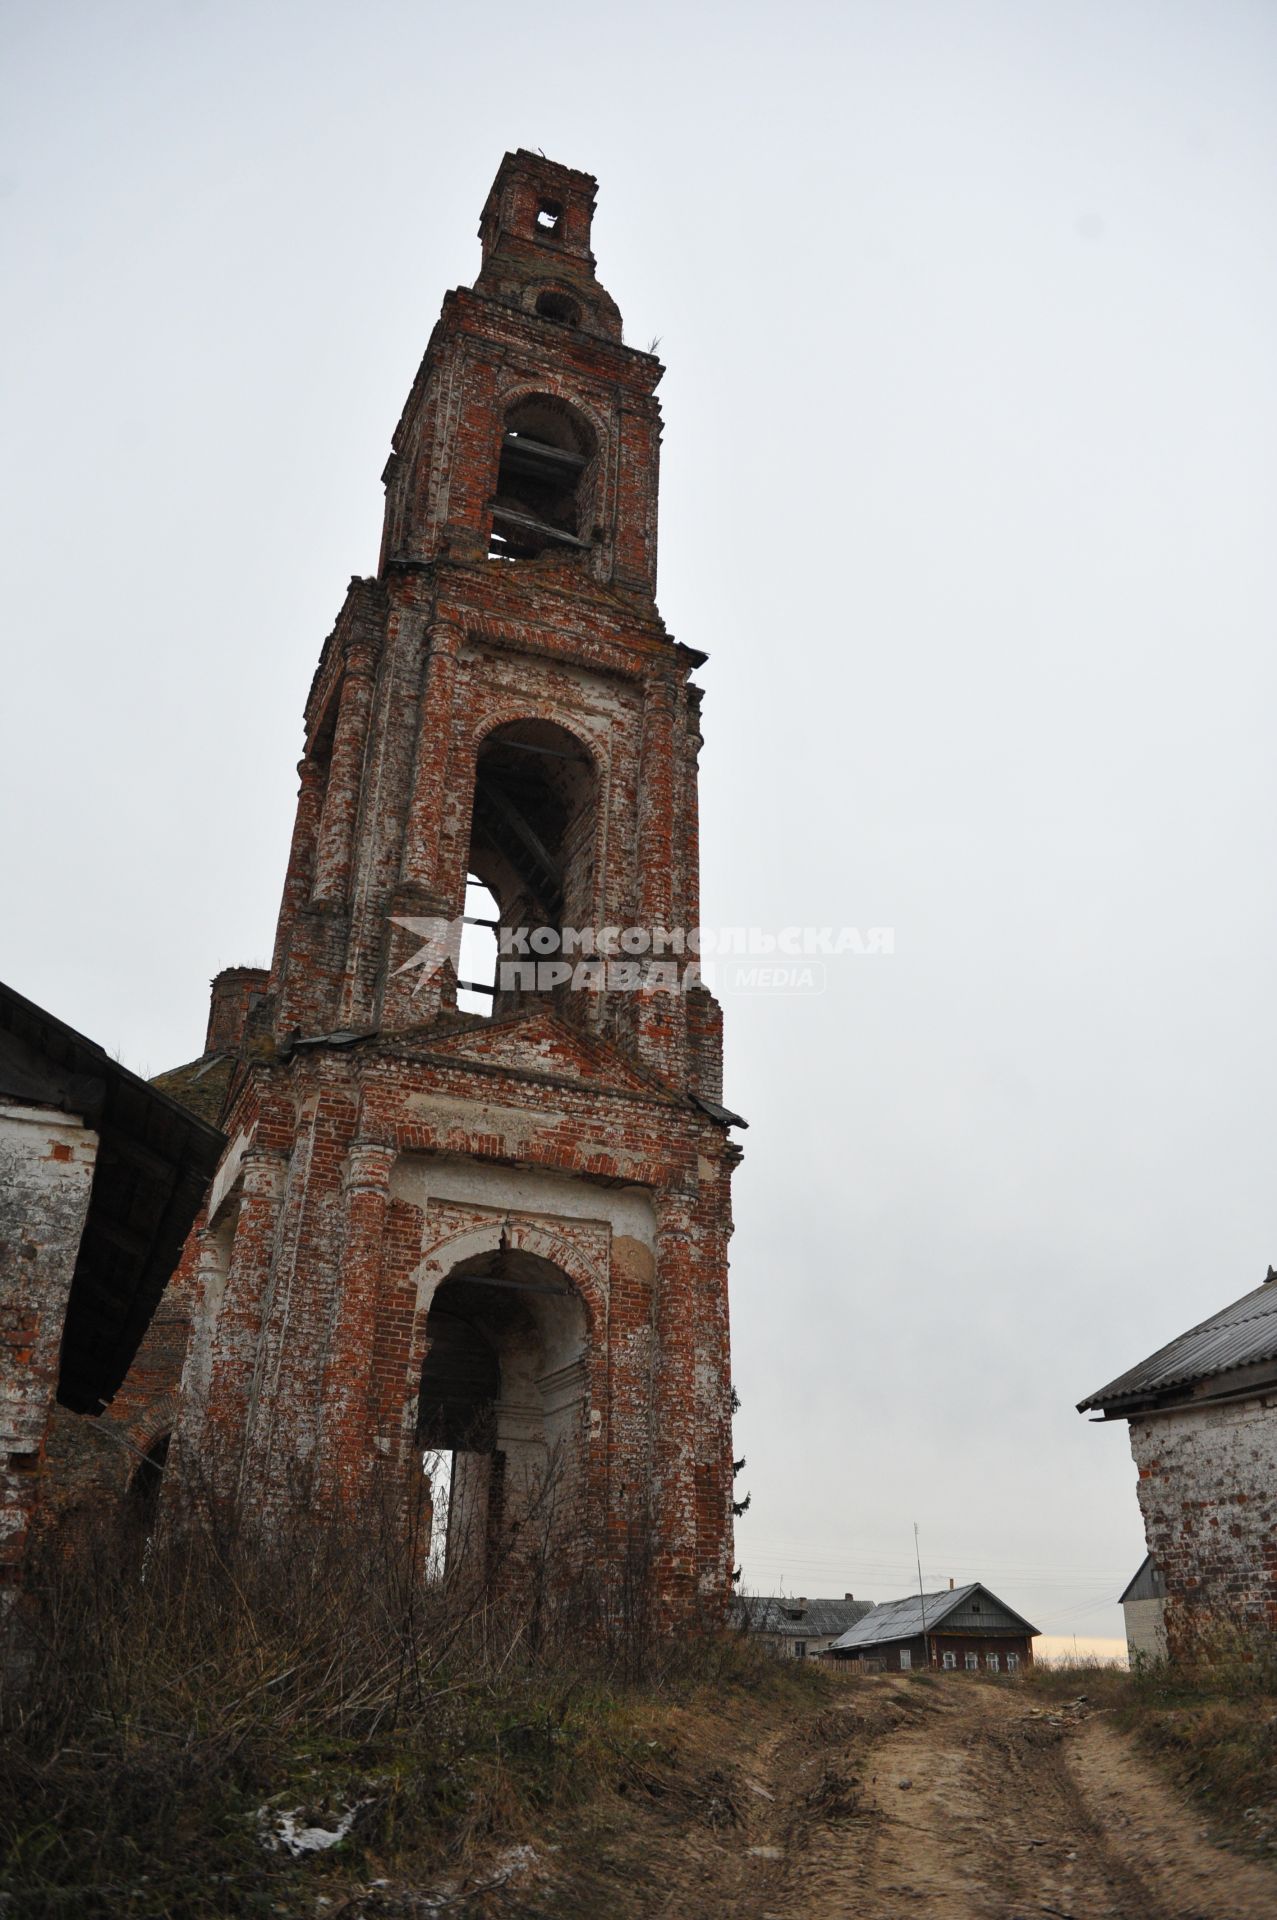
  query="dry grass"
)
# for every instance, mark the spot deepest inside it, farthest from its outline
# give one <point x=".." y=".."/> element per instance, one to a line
<point x="171" y="1691"/>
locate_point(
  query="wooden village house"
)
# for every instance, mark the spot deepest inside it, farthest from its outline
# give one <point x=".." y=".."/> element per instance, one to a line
<point x="798" y="1629"/>
<point x="966" y="1630"/>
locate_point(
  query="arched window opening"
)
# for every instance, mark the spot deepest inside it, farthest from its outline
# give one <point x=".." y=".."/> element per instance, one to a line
<point x="144" y="1487"/>
<point x="553" y="305"/>
<point x="532" y="847"/>
<point x="539" y="503"/>
<point x="501" y="1410"/>
<point x="477" y="969"/>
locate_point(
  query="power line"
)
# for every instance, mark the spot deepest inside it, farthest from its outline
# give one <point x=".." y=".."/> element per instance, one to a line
<point x="861" y="1563"/>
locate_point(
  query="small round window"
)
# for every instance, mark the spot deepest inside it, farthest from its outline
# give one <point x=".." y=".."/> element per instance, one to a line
<point x="557" y="306"/>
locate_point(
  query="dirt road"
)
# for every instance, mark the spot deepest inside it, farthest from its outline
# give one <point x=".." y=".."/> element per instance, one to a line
<point x="936" y="1799"/>
<point x="979" y="1805"/>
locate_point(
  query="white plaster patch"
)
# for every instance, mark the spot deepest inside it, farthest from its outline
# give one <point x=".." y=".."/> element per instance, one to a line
<point x="228" y="1173"/>
<point x="1208" y="1491"/>
<point x="421" y="1178"/>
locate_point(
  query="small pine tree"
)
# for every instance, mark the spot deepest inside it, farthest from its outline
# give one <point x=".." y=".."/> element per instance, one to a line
<point x="738" y="1506"/>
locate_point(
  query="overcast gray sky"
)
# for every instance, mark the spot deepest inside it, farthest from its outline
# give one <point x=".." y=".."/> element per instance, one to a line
<point x="968" y="491"/>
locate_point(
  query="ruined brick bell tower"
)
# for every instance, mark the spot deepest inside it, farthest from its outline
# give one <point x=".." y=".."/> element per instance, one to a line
<point x="498" y="1234"/>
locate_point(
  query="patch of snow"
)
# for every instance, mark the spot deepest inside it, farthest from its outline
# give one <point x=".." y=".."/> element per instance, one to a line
<point x="445" y="1893"/>
<point x="516" y="1860"/>
<point x="280" y="1828"/>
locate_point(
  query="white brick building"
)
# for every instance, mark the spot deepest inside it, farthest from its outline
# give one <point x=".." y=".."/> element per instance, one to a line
<point x="1143" y="1607"/>
<point x="1203" y="1423"/>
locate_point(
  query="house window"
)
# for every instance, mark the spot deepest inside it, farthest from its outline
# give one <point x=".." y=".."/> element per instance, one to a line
<point x="973" y="1663"/>
<point x="800" y="1649"/>
<point x="991" y="1661"/>
<point x="950" y="1661"/>
<point x="906" y="1659"/>
<point x="1013" y="1663"/>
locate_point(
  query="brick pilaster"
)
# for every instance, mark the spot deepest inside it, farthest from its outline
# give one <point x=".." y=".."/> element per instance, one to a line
<point x="341" y="800"/>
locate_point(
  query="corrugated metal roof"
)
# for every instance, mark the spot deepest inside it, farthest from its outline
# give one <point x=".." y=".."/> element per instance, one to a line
<point x="763" y="1613"/>
<point x="1239" y="1335"/>
<point x="902" y="1619"/>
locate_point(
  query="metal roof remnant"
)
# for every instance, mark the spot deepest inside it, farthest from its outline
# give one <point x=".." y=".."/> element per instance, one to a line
<point x="785" y="1618"/>
<point x="1242" y="1335"/>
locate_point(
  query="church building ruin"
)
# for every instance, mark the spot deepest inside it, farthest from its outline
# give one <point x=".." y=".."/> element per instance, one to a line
<point x="483" y="1211"/>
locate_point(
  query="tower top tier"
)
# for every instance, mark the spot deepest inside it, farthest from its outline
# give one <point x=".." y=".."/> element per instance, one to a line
<point x="535" y="231"/>
<point x="532" y="432"/>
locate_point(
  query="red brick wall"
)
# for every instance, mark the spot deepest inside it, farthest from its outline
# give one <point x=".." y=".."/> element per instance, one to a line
<point x="232" y="994"/>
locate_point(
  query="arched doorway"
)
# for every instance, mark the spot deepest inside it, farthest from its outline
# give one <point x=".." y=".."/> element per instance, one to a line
<point x="143" y="1497"/>
<point x="502" y="1412"/>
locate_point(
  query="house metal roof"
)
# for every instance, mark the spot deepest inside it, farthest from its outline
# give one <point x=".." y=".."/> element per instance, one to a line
<point x="902" y="1619"/>
<point x="1241" y="1335"/>
<point x="763" y="1613"/>
<point x="1146" y="1583"/>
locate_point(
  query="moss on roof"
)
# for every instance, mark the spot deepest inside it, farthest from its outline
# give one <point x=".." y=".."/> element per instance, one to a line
<point x="201" y="1086"/>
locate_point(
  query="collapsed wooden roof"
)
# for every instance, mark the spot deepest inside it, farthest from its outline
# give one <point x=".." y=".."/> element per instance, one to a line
<point x="154" y="1162"/>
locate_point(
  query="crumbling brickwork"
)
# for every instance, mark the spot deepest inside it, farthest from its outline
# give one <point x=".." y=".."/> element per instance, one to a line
<point x="46" y="1176"/>
<point x="1208" y="1493"/>
<point x="505" y="1236"/>
<point x="92" y="1464"/>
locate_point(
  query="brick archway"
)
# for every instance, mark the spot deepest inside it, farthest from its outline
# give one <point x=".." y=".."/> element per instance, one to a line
<point x="512" y="1382"/>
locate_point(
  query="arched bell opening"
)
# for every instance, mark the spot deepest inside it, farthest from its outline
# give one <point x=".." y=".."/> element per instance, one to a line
<point x="531" y="856"/>
<point x="501" y="1413"/>
<point x="544" y="481"/>
<point x="553" y="304"/>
